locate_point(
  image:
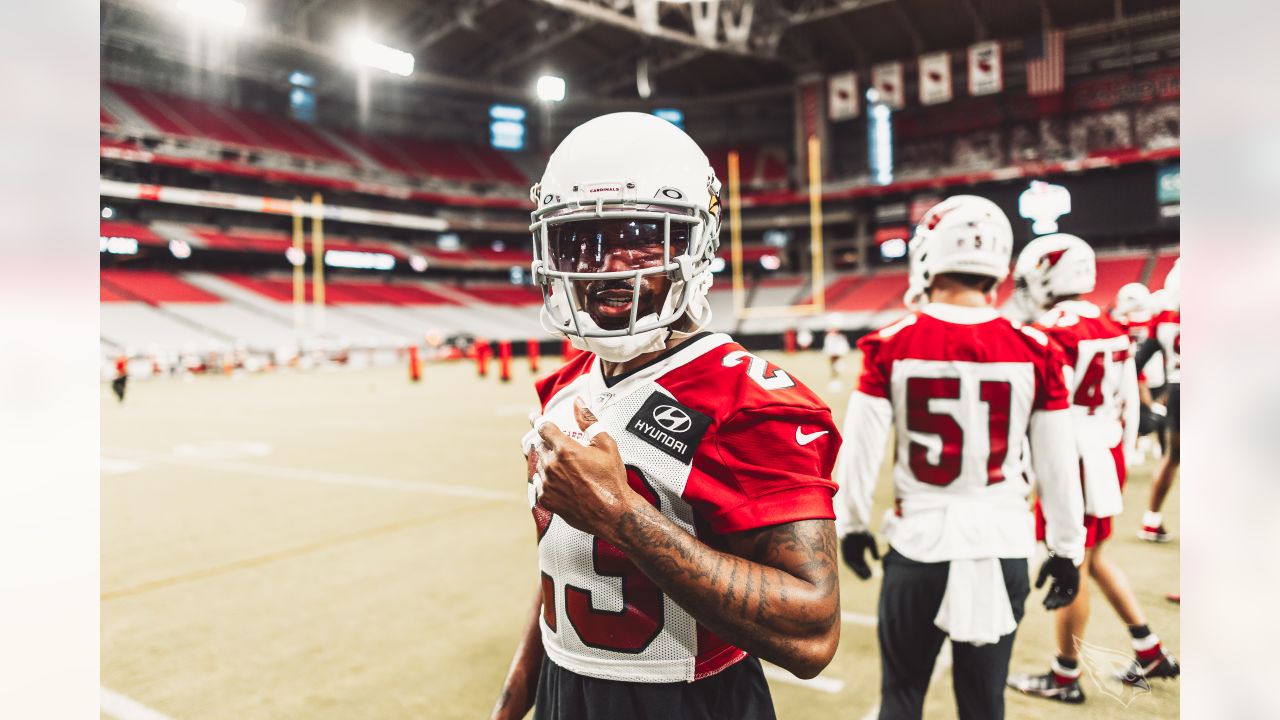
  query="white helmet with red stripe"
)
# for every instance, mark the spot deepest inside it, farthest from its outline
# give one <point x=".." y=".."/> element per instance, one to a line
<point x="1055" y="266"/>
<point x="962" y="234"/>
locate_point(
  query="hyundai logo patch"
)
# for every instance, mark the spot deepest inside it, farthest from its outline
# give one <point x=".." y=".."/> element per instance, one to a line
<point x="669" y="426"/>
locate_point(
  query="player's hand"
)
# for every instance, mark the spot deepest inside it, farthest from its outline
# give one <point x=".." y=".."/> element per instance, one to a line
<point x="1066" y="581"/>
<point x="586" y="485"/>
<point x="853" y="548"/>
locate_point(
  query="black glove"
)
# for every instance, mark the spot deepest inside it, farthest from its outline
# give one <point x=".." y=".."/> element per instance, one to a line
<point x="1066" y="581"/>
<point x="853" y="546"/>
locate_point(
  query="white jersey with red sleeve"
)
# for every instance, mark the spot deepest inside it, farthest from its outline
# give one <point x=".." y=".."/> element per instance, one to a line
<point x="1104" y="398"/>
<point x="721" y="442"/>
<point x="1138" y="325"/>
<point x="964" y="390"/>
<point x="1167" y="329"/>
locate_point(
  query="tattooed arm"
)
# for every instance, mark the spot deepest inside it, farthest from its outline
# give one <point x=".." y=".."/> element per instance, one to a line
<point x="775" y="593"/>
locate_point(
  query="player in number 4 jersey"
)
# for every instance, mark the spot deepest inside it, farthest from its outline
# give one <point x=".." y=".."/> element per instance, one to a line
<point x="963" y="390"/>
<point x="680" y="486"/>
<point x="1053" y="272"/>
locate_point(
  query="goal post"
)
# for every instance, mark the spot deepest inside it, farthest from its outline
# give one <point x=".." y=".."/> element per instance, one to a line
<point x="817" y="302"/>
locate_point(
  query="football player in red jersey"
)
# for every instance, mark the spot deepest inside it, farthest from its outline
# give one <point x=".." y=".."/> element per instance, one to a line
<point x="1054" y="271"/>
<point x="680" y="486"/>
<point x="1132" y="312"/>
<point x="1166" y="339"/>
<point x="964" y="390"/>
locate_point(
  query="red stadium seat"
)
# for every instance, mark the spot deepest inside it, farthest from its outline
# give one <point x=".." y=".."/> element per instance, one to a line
<point x="151" y="286"/>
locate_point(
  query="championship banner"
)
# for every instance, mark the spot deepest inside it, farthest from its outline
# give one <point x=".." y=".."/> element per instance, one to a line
<point x="935" y="78"/>
<point x="842" y="96"/>
<point x="887" y="79"/>
<point x="986" y="71"/>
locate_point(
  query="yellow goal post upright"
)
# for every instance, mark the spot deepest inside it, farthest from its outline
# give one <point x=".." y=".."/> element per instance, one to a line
<point x="817" y="303"/>
<point x="317" y="257"/>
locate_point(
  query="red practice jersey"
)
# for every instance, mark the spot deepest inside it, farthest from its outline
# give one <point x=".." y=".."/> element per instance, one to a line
<point x="959" y="386"/>
<point x="721" y="442"/>
<point x="1104" y="396"/>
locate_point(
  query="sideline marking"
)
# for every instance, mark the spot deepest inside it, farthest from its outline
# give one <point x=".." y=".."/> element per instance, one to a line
<point x="822" y="683"/>
<point x="120" y="707"/>
<point x="285" y="554"/>
<point x="855" y="618"/>
<point x="327" y="477"/>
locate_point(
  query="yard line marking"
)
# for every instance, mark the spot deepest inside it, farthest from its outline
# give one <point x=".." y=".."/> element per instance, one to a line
<point x="939" y="667"/>
<point x="822" y="683"/>
<point x="328" y="477"/>
<point x="858" y="618"/>
<point x="285" y="554"/>
<point x="119" y="707"/>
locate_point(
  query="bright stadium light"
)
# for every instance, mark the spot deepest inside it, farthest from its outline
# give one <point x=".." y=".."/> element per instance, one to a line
<point x="418" y="263"/>
<point x="770" y="262"/>
<point x="222" y="12"/>
<point x="117" y="245"/>
<point x="359" y="260"/>
<point x="382" y="57"/>
<point x="180" y="249"/>
<point x="551" y="88"/>
<point x="108" y="212"/>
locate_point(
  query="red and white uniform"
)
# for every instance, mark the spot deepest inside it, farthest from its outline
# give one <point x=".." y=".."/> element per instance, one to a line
<point x="1138" y="325"/>
<point x="964" y="390"/>
<point x="1167" y="329"/>
<point x="721" y="442"/>
<point x="1104" y="400"/>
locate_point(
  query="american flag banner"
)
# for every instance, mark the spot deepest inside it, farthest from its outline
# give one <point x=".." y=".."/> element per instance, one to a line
<point x="1045" y="63"/>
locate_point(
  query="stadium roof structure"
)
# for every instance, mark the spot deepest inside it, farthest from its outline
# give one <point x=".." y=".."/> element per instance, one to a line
<point x="606" y="49"/>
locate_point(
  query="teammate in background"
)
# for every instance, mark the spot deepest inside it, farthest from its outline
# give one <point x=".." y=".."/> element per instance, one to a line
<point x="835" y="345"/>
<point x="122" y="377"/>
<point x="1054" y="271"/>
<point x="680" y="486"/>
<point x="1132" y="312"/>
<point x="962" y="388"/>
<point x="1166" y="338"/>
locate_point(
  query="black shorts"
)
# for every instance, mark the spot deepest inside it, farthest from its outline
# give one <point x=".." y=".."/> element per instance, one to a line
<point x="1173" y="406"/>
<point x="738" y="693"/>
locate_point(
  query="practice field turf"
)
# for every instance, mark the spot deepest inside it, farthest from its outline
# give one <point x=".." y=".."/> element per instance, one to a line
<point x="349" y="545"/>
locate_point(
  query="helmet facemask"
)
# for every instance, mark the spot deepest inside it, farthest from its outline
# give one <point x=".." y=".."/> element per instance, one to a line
<point x="616" y="276"/>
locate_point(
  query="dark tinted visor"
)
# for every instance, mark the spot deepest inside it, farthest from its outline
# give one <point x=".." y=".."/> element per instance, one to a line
<point x="600" y="245"/>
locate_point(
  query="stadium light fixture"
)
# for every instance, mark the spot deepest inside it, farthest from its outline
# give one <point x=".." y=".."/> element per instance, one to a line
<point x="418" y="263"/>
<point x="382" y="57"/>
<point x="108" y="212"/>
<point x="222" y="12"/>
<point x="550" y="88"/>
<point x="180" y="249"/>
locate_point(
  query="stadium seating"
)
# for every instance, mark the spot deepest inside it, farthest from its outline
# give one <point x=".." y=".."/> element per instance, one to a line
<point x="1113" y="273"/>
<point x="153" y="287"/>
<point x="173" y="115"/>
<point x="1159" y="269"/>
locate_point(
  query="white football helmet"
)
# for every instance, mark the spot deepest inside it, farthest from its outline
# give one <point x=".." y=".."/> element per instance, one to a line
<point x="963" y="234"/>
<point x="1054" y="266"/>
<point x="1173" y="285"/>
<point x="1132" y="300"/>
<point x="617" y="189"/>
<point x="917" y="294"/>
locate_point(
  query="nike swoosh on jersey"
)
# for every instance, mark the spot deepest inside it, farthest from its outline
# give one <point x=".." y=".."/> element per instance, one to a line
<point x="804" y="439"/>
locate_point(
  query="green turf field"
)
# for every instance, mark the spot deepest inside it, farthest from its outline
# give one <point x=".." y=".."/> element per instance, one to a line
<point x="349" y="545"/>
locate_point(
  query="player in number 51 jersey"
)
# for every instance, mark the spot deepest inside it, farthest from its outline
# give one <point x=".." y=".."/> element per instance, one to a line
<point x="1054" y="272"/>
<point x="964" y="390"/>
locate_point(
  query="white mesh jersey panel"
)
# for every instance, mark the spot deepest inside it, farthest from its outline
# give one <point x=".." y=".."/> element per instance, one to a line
<point x="567" y="554"/>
